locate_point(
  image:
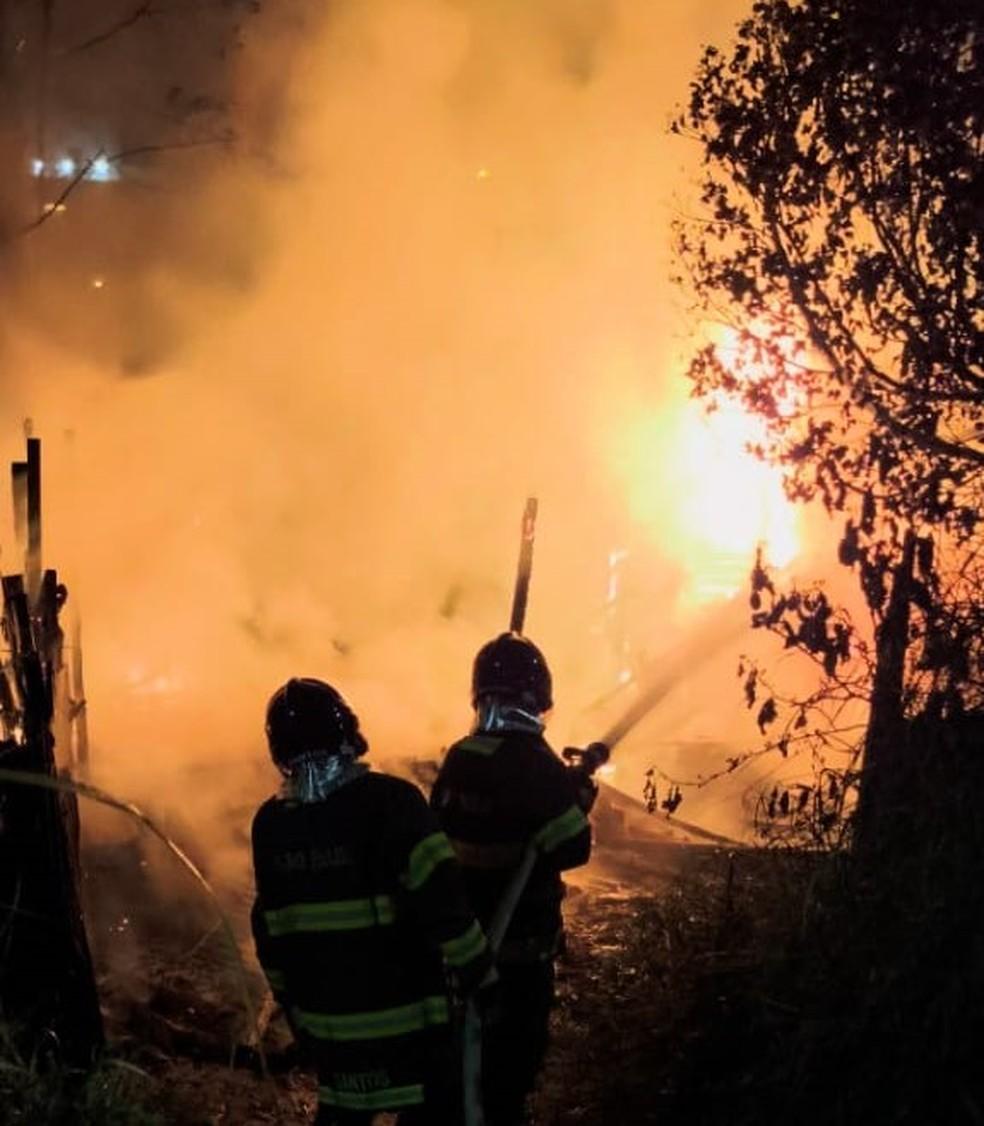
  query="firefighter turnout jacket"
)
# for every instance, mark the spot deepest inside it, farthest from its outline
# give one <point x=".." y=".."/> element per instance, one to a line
<point x="494" y="794"/>
<point x="359" y="914"/>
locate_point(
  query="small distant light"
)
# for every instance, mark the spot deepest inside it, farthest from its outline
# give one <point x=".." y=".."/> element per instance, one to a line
<point x="61" y="206"/>
<point x="65" y="167"/>
<point x="98" y="283"/>
<point x="483" y="174"/>
<point x="37" y="167"/>
<point x="102" y="170"/>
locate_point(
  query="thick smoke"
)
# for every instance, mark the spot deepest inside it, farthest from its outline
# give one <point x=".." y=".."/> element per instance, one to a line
<point x="429" y="277"/>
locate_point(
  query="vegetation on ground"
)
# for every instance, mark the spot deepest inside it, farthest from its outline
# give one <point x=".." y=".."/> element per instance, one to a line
<point x="37" y="1090"/>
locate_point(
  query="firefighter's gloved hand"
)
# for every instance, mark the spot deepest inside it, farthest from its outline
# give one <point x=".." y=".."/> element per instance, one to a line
<point x="587" y="759"/>
<point x="595" y="755"/>
<point x="584" y="762"/>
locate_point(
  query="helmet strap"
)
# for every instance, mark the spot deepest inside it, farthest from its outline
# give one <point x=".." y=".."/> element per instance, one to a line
<point x="312" y="777"/>
<point x="494" y="714"/>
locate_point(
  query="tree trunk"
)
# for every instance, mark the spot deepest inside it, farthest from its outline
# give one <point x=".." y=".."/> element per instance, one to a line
<point x="886" y="721"/>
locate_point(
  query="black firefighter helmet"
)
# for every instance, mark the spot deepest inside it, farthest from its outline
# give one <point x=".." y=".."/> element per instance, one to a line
<point x="307" y="716"/>
<point x="512" y="668"/>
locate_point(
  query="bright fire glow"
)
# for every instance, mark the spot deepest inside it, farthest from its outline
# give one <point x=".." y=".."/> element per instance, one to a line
<point x="733" y="501"/>
<point x="710" y="501"/>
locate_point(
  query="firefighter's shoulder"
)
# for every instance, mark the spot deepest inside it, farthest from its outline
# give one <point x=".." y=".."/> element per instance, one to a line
<point x="480" y="746"/>
<point x="266" y="814"/>
<point x="393" y="791"/>
<point x="524" y="750"/>
<point x="542" y="769"/>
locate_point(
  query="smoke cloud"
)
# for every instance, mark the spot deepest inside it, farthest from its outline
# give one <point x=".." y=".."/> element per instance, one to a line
<point x="294" y="388"/>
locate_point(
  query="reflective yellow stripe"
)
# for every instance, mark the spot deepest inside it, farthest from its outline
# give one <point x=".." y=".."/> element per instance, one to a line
<point x="458" y="951"/>
<point x="472" y="855"/>
<point x="424" y="858"/>
<point x="339" y="915"/>
<point x="561" y="829"/>
<point x="278" y="983"/>
<point x="480" y="744"/>
<point x="376" y="1024"/>
<point x="387" y="1098"/>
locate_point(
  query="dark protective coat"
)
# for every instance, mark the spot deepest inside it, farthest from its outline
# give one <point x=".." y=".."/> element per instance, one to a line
<point x="493" y="795"/>
<point x="359" y="910"/>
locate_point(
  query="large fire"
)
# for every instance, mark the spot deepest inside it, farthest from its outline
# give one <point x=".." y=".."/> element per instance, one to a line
<point x="364" y="335"/>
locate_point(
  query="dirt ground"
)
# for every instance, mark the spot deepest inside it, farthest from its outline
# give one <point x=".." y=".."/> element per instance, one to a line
<point x="703" y="985"/>
<point x="616" y="1027"/>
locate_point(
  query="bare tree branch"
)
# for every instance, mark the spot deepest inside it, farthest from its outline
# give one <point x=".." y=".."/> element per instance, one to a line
<point x="86" y="167"/>
<point x="51" y="208"/>
<point x="930" y="443"/>
<point x="140" y="12"/>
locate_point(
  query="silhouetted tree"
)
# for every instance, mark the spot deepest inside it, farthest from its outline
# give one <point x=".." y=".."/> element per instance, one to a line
<point x="843" y="181"/>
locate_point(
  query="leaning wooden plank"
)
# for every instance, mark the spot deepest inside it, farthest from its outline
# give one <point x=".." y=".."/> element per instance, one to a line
<point x="33" y="558"/>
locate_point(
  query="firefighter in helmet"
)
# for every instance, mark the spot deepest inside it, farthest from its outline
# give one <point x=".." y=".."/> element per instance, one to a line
<point x="499" y="790"/>
<point x="360" y="918"/>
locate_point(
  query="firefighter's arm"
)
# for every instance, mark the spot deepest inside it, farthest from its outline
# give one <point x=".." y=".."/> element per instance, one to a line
<point x="268" y="948"/>
<point x="435" y="900"/>
<point x="564" y="834"/>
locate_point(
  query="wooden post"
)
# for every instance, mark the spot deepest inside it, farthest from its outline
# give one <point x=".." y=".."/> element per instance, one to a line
<point x="32" y="571"/>
<point x="18" y="485"/>
<point x="524" y="568"/>
<point x="76" y="698"/>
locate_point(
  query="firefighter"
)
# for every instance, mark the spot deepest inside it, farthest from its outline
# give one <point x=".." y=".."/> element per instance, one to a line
<point x="497" y="791"/>
<point x="360" y="918"/>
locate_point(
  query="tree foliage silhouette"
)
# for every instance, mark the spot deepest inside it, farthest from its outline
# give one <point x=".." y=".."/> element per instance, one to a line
<point x="841" y="245"/>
